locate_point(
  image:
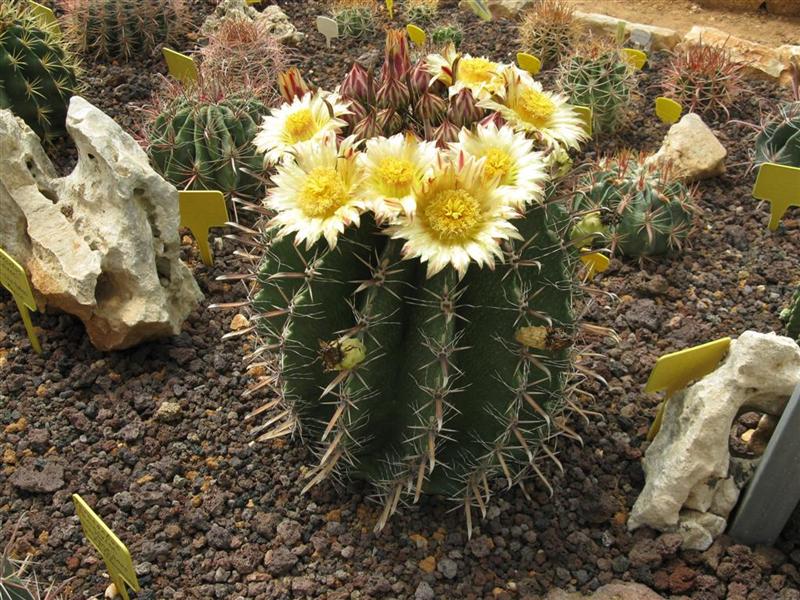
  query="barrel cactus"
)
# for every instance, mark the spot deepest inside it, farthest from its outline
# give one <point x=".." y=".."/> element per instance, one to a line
<point x="419" y="298"/>
<point x="598" y="76"/>
<point x="548" y="31"/>
<point x="356" y="18"/>
<point x="792" y="316"/>
<point x="123" y="29"/>
<point x="202" y="139"/>
<point x="779" y="140"/>
<point x="633" y="206"/>
<point x="38" y="74"/>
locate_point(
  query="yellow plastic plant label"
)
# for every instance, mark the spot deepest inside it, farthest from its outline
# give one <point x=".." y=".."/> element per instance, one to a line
<point x="115" y="554"/>
<point x="181" y="67"/>
<point x="780" y="186"/>
<point x="254" y="1"/>
<point x="480" y="8"/>
<point x="390" y="8"/>
<point x="668" y="110"/>
<point x="676" y="370"/>
<point x="15" y="280"/>
<point x="636" y="58"/>
<point x="528" y="62"/>
<point x="585" y="113"/>
<point x="327" y="27"/>
<point x="200" y="211"/>
<point x="45" y="15"/>
<point x="596" y="262"/>
<point x="416" y="34"/>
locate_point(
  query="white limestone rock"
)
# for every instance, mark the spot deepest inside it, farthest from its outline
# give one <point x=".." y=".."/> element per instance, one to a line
<point x="689" y="457"/>
<point x="502" y="9"/>
<point x="277" y="23"/>
<point x="691" y="150"/>
<point x="661" y="38"/>
<point x="101" y="243"/>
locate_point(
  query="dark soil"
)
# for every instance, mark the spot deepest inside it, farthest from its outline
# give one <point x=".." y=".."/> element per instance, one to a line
<point x="207" y="515"/>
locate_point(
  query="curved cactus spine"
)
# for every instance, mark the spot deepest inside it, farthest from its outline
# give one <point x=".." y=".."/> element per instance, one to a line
<point x="38" y="74"/>
<point x="449" y="33"/>
<point x="597" y="75"/>
<point x="204" y="141"/>
<point x="123" y="29"/>
<point x="779" y="141"/>
<point x="633" y="206"/>
<point x="548" y="31"/>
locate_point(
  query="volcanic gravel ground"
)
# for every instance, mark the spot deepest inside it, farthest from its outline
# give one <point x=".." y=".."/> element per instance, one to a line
<point x="207" y="515"/>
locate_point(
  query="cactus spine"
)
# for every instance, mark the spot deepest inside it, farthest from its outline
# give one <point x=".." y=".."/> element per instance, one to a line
<point x="548" y="31"/>
<point x="634" y="207"/>
<point x="792" y="316"/>
<point x="779" y="141"/>
<point x="122" y="29"/>
<point x="38" y="74"/>
<point x="204" y="141"/>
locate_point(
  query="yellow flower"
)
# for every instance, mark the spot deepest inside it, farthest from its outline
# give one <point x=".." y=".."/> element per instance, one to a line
<point x="527" y="107"/>
<point x="480" y="75"/>
<point x="461" y="217"/>
<point x="308" y="118"/>
<point x="393" y="167"/>
<point x="508" y="156"/>
<point x="318" y="192"/>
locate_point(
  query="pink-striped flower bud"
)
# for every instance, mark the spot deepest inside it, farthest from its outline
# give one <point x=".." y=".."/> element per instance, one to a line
<point x="357" y="112"/>
<point x="291" y="84"/>
<point x="463" y="110"/>
<point x="368" y="127"/>
<point x="393" y="93"/>
<point x="357" y="85"/>
<point x="396" y="62"/>
<point x="446" y="133"/>
<point x="430" y="109"/>
<point x="493" y="118"/>
<point x="390" y="121"/>
<point x="419" y="79"/>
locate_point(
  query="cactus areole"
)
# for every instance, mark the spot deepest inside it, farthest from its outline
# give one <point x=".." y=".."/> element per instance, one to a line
<point x="419" y="298"/>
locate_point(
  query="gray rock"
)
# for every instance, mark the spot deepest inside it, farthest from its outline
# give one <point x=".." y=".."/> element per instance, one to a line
<point x="168" y="412"/>
<point x="424" y="591"/>
<point x="447" y="567"/>
<point x="39" y="476"/>
<point x="279" y="561"/>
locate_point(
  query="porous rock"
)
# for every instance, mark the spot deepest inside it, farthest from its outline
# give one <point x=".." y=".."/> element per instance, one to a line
<point x="277" y="23"/>
<point x="612" y="591"/>
<point x="661" y="38"/>
<point x="502" y="9"/>
<point x="691" y="150"/>
<point x="101" y="243"/>
<point x="689" y="457"/>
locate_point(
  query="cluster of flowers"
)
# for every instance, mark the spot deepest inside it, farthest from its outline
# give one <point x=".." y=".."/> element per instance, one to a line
<point x="451" y="198"/>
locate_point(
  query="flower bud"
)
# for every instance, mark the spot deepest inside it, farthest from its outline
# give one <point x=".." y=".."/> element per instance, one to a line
<point x="389" y="121"/>
<point x="368" y="127"/>
<point x="419" y="79"/>
<point x="430" y="109"/>
<point x="357" y="112"/>
<point x="396" y="62"/>
<point x="445" y="134"/>
<point x="463" y="110"/>
<point x="493" y="118"/>
<point x="291" y="84"/>
<point x="357" y="85"/>
<point x="393" y="93"/>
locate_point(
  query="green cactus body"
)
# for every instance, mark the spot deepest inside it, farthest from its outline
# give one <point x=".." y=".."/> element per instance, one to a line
<point x="355" y="22"/>
<point x="779" y="142"/>
<point x="447" y="34"/>
<point x="123" y="29"/>
<point x="454" y="381"/>
<point x="604" y="82"/>
<point x="37" y="72"/>
<point x="12" y="587"/>
<point x="633" y="207"/>
<point x="208" y="145"/>
<point x="792" y="317"/>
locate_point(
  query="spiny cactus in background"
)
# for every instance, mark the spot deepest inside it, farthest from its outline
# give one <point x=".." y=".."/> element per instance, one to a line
<point x="356" y="18"/>
<point x="792" y="317"/>
<point x="598" y="76"/>
<point x="417" y="290"/>
<point x="632" y="206"/>
<point x="548" y="31"/>
<point x="451" y="33"/>
<point x="121" y="29"/>
<point x="702" y="78"/>
<point x="230" y="56"/>
<point x="16" y="580"/>
<point x="779" y="140"/>
<point x="420" y="11"/>
<point x="201" y="138"/>
<point x="38" y="74"/>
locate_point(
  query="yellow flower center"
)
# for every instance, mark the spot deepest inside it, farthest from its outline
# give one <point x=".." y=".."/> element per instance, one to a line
<point x="535" y="108"/>
<point x="301" y="126"/>
<point x="498" y="164"/>
<point x="395" y="175"/>
<point x="323" y="193"/>
<point x="475" y="70"/>
<point x="452" y="215"/>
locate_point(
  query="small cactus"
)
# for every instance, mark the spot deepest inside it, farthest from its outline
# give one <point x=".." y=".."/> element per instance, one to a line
<point x="792" y="317"/>
<point x="450" y="33"/>
<point x="202" y="139"/>
<point x="229" y="56"/>
<point x="548" y="31"/>
<point x="356" y="18"/>
<point x="420" y="12"/>
<point x="596" y="75"/>
<point x="38" y="73"/>
<point x="17" y="582"/>
<point x="122" y="29"/>
<point x="702" y="78"/>
<point x="779" y="140"/>
<point x="632" y="206"/>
